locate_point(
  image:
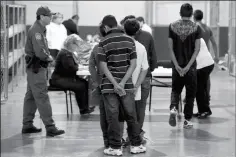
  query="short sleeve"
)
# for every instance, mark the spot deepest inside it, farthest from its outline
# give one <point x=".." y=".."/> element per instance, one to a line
<point x="101" y="53"/>
<point x="211" y="34"/>
<point x="170" y="32"/>
<point x="133" y="53"/>
<point x="198" y="33"/>
<point x="144" y="60"/>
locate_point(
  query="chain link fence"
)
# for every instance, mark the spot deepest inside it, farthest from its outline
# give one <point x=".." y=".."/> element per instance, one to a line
<point x="232" y="36"/>
<point x="4" y="57"/>
<point x="214" y="22"/>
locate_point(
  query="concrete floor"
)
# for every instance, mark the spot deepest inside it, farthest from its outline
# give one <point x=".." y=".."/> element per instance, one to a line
<point x="212" y="137"/>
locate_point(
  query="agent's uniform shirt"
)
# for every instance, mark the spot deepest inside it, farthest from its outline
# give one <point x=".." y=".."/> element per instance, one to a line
<point x="36" y="43"/>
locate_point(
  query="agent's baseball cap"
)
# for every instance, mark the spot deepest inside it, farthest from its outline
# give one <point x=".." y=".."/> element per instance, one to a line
<point x="44" y="10"/>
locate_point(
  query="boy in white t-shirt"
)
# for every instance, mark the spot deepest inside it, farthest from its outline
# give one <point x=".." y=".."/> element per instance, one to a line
<point x="205" y="65"/>
<point x="131" y="27"/>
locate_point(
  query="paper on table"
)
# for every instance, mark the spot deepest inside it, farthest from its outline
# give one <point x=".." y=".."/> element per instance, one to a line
<point x="160" y="71"/>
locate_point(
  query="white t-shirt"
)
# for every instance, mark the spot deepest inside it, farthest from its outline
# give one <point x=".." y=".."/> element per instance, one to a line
<point x="56" y="35"/>
<point x="146" y="28"/>
<point x="142" y="64"/>
<point x="204" y="57"/>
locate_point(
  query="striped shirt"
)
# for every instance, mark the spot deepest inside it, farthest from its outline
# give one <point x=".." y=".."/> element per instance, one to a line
<point x="117" y="50"/>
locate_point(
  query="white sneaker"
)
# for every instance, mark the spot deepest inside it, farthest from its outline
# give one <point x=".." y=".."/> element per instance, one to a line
<point x="188" y="124"/>
<point x="172" y="119"/>
<point x="138" y="149"/>
<point x="114" y="152"/>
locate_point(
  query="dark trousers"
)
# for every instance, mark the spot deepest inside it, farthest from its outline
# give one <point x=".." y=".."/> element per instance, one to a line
<point x="36" y="97"/>
<point x="189" y="80"/>
<point x="202" y="96"/>
<point x="209" y="88"/>
<point x="78" y="86"/>
<point x="54" y="53"/>
<point x="112" y="103"/>
<point x="103" y="123"/>
<point x="141" y="104"/>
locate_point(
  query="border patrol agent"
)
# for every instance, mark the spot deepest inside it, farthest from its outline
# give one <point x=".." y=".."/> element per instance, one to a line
<point x="37" y="59"/>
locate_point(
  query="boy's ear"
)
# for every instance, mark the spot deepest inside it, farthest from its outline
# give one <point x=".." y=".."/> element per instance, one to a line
<point x="106" y="28"/>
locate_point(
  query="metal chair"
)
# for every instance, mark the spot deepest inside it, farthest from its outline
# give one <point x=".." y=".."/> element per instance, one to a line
<point x="52" y="88"/>
<point x="157" y="83"/>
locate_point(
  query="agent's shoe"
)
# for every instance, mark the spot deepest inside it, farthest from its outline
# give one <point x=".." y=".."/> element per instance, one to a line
<point x="53" y="131"/>
<point x="188" y="124"/>
<point x="88" y="111"/>
<point x="29" y="130"/>
<point x="114" y="152"/>
<point x="172" y="119"/>
<point x="138" y="149"/>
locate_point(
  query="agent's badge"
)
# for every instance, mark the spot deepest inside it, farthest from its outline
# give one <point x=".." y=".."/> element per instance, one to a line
<point x="38" y="36"/>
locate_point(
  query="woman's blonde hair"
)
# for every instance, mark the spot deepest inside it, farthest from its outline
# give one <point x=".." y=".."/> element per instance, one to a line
<point x="72" y="39"/>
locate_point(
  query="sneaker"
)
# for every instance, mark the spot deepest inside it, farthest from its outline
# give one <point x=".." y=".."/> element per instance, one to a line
<point x="172" y="119"/>
<point x="114" y="152"/>
<point x="204" y="115"/>
<point x="196" y="114"/>
<point x="137" y="149"/>
<point x="31" y="129"/>
<point x="188" y="124"/>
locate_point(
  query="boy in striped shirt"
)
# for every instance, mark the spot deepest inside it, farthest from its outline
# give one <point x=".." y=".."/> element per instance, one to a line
<point x="117" y="57"/>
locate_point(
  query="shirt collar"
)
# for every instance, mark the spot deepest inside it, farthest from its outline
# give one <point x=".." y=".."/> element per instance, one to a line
<point x="42" y="28"/>
<point x="116" y="30"/>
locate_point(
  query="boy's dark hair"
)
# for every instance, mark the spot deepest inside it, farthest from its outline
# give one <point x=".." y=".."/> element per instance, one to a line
<point x="102" y="30"/>
<point x="186" y="10"/>
<point x="131" y="27"/>
<point x="75" y="17"/>
<point x="109" y="21"/>
<point x="128" y="17"/>
<point x="122" y="22"/>
<point x="140" y="19"/>
<point x="38" y="17"/>
<point x="198" y="15"/>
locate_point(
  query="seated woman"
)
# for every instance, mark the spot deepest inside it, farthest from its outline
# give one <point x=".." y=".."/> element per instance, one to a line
<point x="64" y="75"/>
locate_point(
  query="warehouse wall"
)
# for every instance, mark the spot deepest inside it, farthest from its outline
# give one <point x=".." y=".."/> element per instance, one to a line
<point x="92" y="12"/>
<point x="64" y="7"/>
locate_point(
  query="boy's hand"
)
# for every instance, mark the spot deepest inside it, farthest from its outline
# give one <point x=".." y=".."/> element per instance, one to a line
<point x="185" y="70"/>
<point x="122" y="85"/>
<point x="179" y="70"/>
<point x="119" y="90"/>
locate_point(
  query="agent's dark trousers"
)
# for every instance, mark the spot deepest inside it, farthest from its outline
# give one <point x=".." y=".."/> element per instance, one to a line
<point x="202" y="96"/>
<point x="112" y="102"/>
<point x="37" y="97"/>
<point x="78" y="86"/>
<point x="189" y="80"/>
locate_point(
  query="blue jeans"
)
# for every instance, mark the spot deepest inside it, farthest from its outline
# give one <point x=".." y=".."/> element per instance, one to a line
<point x="112" y="104"/>
<point x="141" y="104"/>
<point x="103" y="119"/>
